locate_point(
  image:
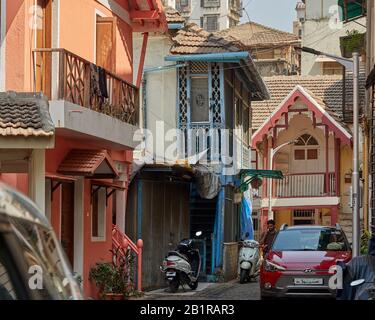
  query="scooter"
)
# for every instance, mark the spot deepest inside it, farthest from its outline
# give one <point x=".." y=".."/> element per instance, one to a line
<point x="182" y="266"/>
<point x="368" y="291"/>
<point x="249" y="261"/>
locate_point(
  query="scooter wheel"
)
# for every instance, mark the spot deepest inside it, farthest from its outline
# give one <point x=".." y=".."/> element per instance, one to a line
<point x="243" y="276"/>
<point x="193" y="285"/>
<point x="173" y="285"/>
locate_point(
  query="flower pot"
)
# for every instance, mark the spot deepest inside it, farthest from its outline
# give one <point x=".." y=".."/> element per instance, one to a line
<point x="113" y="296"/>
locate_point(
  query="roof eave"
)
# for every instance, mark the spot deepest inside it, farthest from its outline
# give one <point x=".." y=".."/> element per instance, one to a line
<point x="234" y="57"/>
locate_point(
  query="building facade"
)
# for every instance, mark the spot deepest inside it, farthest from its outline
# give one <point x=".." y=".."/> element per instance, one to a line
<point x="193" y="85"/>
<point x="275" y="52"/>
<point x="78" y="54"/>
<point x="306" y="114"/>
<point x="211" y="15"/>
<point x="325" y="22"/>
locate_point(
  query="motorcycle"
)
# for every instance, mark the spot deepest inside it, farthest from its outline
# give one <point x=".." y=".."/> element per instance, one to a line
<point x="182" y="266"/>
<point x="249" y="260"/>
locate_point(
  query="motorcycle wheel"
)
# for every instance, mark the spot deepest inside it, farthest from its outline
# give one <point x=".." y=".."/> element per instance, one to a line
<point x="173" y="285"/>
<point x="243" y="276"/>
<point x="193" y="285"/>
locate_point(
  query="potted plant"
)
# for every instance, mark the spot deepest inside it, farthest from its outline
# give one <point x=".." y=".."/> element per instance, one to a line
<point x="110" y="279"/>
<point x="353" y="42"/>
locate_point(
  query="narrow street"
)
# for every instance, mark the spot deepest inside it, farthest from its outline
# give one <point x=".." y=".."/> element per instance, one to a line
<point x="232" y="290"/>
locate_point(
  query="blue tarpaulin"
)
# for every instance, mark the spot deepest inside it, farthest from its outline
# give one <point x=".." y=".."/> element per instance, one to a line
<point x="247" y="229"/>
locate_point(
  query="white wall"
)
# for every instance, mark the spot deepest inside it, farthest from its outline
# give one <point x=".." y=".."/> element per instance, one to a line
<point x="161" y="90"/>
<point x="320" y="33"/>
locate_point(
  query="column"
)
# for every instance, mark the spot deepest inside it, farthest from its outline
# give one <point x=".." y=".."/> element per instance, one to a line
<point x="121" y="209"/>
<point x="37" y="182"/>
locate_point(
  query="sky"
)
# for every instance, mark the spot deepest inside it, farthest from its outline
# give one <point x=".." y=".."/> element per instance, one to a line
<point x="278" y="14"/>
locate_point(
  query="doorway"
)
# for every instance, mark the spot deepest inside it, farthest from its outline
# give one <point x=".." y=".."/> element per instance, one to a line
<point x="67" y="220"/>
<point x="43" y="39"/>
<point x="303" y="217"/>
<point x="106" y="43"/>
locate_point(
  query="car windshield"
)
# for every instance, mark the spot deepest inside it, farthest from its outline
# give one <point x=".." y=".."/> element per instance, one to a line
<point x="310" y="240"/>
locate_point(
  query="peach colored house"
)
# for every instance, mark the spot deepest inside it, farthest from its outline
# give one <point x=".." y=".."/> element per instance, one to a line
<point x="79" y="55"/>
<point x="305" y="118"/>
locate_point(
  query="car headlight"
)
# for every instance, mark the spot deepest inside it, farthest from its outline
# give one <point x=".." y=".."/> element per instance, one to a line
<point x="272" y="267"/>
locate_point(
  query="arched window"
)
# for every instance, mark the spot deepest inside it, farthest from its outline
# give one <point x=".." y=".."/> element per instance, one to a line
<point x="306" y="148"/>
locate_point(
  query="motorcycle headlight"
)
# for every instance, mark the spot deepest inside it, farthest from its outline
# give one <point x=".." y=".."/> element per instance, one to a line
<point x="272" y="267"/>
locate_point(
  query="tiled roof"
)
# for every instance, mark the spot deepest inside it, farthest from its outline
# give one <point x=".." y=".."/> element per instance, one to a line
<point x="328" y="89"/>
<point x="173" y="16"/>
<point x="194" y="40"/>
<point x="84" y="162"/>
<point x="255" y="35"/>
<point x="24" y="114"/>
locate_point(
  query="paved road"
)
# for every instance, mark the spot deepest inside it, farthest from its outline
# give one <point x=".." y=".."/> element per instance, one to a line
<point x="232" y="290"/>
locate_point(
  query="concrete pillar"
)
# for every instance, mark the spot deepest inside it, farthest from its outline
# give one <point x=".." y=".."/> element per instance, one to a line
<point x="37" y="178"/>
<point x="79" y="189"/>
<point x="120" y="209"/>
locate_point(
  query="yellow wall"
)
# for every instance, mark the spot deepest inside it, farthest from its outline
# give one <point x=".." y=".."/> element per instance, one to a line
<point x="283" y="216"/>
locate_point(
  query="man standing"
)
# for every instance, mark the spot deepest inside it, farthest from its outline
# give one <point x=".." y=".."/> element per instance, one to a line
<point x="268" y="236"/>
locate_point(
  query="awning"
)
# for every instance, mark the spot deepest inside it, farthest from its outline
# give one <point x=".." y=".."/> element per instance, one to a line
<point x="88" y="163"/>
<point x="110" y="188"/>
<point x="258" y="174"/>
<point x="59" y="177"/>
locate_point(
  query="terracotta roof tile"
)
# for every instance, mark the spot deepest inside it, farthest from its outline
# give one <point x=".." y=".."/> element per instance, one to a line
<point x="173" y="16"/>
<point x="24" y="114"/>
<point x="326" y="89"/>
<point x="194" y="40"/>
<point x="254" y="35"/>
<point x="84" y="162"/>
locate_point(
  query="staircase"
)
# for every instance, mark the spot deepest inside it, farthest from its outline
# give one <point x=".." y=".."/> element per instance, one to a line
<point x="202" y="218"/>
<point x="122" y="246"/>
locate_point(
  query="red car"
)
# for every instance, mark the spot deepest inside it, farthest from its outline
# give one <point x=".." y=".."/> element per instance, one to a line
<point x="299" y="260"/>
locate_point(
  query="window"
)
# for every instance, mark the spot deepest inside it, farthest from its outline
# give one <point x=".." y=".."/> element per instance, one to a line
<point x="332" y="68"/>
<point x="305" y="148"/>
<point x="211" y="23"/>
<point x="210" y="3"/>
<point x="352" y="9"/>
<point x="98" y="213"/>
<point x="199" y="99"/>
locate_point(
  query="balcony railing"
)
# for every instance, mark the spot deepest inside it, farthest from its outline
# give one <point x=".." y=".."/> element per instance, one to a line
<point x="63" y="75"/>
<point x="306" y="185"/>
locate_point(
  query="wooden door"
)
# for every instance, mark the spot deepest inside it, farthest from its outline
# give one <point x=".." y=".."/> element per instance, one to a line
<point x="67" y="220"/>
<point x="106" y="43"/>
<point x="43" y="40"/>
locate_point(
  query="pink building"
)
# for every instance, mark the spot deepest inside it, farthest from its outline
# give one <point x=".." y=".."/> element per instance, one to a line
<point x="75" y="160"/>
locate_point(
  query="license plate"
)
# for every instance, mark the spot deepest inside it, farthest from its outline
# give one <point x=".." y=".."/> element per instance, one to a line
<point x="310" y="281"/>
<point x="171" y="274"/>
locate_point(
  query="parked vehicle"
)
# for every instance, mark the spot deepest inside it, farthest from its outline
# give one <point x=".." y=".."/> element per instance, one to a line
<point x="32" y="263"/>
<point x="365" y="290"/>
<point x="249" y="260"/>
<point x="182" y="266"/>
<point x="299" y="261"/>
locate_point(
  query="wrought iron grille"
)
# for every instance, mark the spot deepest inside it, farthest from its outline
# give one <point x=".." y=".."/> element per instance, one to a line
<point x="183" y="97"/>
<point x="216" y="95"/>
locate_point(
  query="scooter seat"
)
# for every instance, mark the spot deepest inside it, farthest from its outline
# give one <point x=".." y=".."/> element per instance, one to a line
<point x="176" y="253"/>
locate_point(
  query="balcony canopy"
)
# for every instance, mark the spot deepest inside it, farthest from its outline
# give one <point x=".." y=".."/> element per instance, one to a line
<point x="147" y="15"/>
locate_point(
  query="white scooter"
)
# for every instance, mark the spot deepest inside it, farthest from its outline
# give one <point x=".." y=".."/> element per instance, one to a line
<point x="182" y="266"/>
<point x="249" y="260"/>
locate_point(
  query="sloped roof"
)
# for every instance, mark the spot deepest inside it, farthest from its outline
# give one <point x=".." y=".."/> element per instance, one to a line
<point x="83" y="162"/>
<point x="328" y="89"/>
<point x="25" y="114"/>
<point x="255" y="35"/>
<point x="194" y="40"/>
<point x="314" y="103"/>
<point x="173" y="16"/>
